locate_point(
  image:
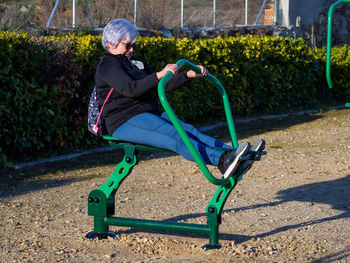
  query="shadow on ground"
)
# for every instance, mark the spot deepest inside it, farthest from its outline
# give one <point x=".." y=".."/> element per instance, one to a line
<point x="336" y="257"/>
<point x="20" y="189"/>
<point x="331" y="193"/>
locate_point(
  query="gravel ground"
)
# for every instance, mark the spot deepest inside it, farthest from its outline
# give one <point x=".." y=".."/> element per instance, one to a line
<point x="292" y="206"/>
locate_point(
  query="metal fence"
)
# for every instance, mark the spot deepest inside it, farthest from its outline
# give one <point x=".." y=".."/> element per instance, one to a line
<point x="252" y="16"/>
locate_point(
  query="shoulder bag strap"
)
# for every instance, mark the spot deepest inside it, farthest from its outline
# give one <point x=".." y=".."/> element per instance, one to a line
<point x="99" y="116"/>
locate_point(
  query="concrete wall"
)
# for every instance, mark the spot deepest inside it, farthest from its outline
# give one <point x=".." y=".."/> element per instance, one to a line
<point x="308" y="19"/>
<point x="307" y="10"/>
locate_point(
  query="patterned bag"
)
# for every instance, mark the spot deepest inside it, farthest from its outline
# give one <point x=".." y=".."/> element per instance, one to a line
<point x="95" y="123"/>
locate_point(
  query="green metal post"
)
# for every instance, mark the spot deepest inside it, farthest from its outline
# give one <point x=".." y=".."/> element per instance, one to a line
<point x="99" y="225"/>
<point x="215" y="208"/>
<point x="213" y="221"/>
<point x="101" y="202"/>
<point x="329" y="44"/>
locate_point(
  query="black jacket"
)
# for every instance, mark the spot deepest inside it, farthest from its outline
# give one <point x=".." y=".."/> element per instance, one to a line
<point x="134" y="89"/>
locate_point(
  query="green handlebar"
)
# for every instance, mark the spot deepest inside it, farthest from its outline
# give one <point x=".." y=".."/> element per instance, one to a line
<point x="180" y="130"/>
<point x="329" y="41"/>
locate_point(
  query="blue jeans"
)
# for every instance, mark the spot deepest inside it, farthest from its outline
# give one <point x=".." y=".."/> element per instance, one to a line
<point x="158" y="131"/>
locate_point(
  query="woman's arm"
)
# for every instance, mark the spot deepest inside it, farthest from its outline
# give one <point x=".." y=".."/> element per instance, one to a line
<point x="178" y="80"/>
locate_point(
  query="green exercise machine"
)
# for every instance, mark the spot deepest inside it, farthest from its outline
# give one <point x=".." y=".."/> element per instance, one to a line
<point x="101" y="202"/>
<point x="329" y="44"/>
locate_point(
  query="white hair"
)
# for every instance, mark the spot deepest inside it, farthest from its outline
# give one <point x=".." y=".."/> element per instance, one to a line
<point x="118" y="29"/>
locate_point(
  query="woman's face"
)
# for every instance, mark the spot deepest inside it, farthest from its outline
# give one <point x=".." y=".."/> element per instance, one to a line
<point x="123" y="48"/>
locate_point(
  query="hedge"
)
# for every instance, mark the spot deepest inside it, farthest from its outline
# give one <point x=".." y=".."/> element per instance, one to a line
<point x="46" y="83"/>
<point x="340" y="70"/>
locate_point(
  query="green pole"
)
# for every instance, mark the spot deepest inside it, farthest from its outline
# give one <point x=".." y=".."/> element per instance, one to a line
<point x="99" y="225"/>
<point x="329" y="44"/>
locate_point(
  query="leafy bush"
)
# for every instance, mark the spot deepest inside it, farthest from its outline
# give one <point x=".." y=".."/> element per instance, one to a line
<point x="261" y="74"/>
<point x="46" y="83"/>
<point x="30" y="110"/>
<point x="340" y="68"/>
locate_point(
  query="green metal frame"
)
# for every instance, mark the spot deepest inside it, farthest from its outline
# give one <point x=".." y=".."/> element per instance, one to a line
<point x="101" y="203"/>
<point x="329" y="44"/>
<point x="182" y="133"/>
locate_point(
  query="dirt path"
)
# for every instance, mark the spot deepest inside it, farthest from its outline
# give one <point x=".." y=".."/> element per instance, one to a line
<point x="293" y="206"/>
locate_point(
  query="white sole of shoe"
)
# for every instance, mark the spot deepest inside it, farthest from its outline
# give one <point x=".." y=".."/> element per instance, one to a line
<point x="234" y="164"/>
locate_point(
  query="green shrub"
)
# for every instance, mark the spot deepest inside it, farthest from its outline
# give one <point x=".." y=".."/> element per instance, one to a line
<point x="30" y="112"/>
<point x="340" y="70"/>
<point x="46" y="83"/>
<point x="261" y="74"/>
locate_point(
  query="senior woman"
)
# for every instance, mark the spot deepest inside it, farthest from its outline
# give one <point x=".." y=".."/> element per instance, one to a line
<point x="132" y="112"/>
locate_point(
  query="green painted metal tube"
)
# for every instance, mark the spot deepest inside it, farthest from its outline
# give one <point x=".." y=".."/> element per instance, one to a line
<point x="329" y="44"/>
<point x="99" y="226"/>
<point x="329" y="41"/>
<point x="158" y="225"/>
<point x="182" y="133"/>
<point x="214" y="235"/>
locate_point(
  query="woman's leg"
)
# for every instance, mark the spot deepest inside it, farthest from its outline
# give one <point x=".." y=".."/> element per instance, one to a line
<point x="150" y="129"/>
<point x="196" y="135"/>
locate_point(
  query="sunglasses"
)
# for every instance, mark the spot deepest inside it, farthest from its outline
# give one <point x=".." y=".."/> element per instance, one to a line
<point x="129" y="45"/>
